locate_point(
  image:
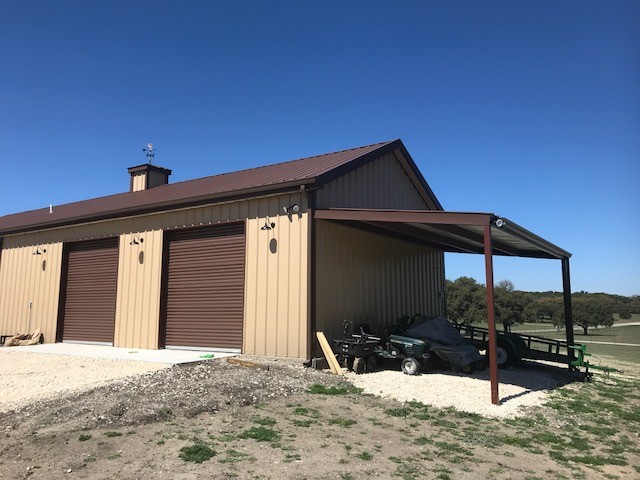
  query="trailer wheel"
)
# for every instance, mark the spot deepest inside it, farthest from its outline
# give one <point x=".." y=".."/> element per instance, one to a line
<point x="504" y="356"/>
<point x="359" y="365"/>
<point x="410" y="366"/>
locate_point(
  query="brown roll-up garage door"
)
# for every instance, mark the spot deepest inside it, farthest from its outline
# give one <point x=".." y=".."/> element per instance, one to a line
<point x="205" y="287"/>
<point x="90" y="292"/>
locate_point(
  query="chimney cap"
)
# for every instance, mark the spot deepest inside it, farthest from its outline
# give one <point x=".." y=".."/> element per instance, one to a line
<point x="147" y="167"/>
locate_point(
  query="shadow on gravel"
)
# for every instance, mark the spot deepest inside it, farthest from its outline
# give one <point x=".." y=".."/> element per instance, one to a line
<point x="529" y="375"/>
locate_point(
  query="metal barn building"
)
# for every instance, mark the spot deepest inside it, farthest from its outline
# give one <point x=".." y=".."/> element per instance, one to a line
<point x="253" y="261"/>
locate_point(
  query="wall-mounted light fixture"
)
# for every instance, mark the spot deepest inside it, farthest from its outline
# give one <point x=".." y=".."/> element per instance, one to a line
<point x="295" y="208"/>
<point x="292" y="210"/>
<point x="40" y="251"/>
<point x="136" y="240"/>
<point x="268" y="224"/>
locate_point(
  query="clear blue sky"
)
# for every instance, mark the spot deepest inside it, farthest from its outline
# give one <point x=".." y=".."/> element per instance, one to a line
<point x="530" y="110"/>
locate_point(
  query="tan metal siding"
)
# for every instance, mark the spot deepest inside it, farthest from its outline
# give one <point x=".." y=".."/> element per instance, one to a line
<point x="138" y="301"/>
<point x="139" y="182"/>
<point x="27" y="278"/>
<point x="205" y="287"/>
<point x="276" y="292"/>
<point x="276" y="296"/>
<point x="90" y="292"/>
<point x="382" y="183"/>
<point x="370" y="278"/>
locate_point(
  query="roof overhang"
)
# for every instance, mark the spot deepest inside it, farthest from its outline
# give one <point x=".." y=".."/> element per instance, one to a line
<point x="451" y="231"/>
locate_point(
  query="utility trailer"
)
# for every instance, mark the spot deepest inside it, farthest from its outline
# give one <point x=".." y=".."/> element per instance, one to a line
<point x="513" y="347"/>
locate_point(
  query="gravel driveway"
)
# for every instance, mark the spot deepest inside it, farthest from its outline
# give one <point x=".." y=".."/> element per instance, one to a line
<point x="27" y="376"/>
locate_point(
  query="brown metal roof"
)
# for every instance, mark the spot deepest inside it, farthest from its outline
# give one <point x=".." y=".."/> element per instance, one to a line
<point x="451" y="231"/>
<point x="309" y="171"/>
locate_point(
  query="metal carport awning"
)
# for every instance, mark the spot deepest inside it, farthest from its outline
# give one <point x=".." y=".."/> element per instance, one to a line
<point x="459" y="232"/>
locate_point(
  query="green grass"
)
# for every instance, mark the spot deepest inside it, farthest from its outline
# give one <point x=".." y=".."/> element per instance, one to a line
<point x="307" y="412"/>
<point x="322" y="390"/>
<point x="234" y="456"/>
<point x="112" y="434"/>
<point x="635" y="317"/>
<point x="261" y="434"/>
<point x="398" y="412"/>
<point x="594" y="460"/>
<point x="164" y="413"/>
<point x="84" y="437"/>
<point x="291" y="457"/>
<point x="343" y="422"/>
<point x="196" y="453"/>
<point x="302" y="423"/>
<point x="265" y="421"/>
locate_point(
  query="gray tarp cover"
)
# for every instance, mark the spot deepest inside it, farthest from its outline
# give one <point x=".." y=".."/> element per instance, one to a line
<point x="445" y="340"/>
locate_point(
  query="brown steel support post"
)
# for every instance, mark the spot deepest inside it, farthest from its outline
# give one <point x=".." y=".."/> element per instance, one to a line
<point x="491" y="316"/>
<point x="568" y="313"/>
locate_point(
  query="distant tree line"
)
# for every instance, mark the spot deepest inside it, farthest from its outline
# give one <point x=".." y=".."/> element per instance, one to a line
<point x="466" y="303"/>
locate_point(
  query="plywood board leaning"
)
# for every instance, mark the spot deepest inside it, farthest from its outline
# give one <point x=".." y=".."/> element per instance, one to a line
<point x="328" y="353"/>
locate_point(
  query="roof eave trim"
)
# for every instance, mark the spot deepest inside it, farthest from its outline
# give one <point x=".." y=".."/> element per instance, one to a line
<point x="165" y="206"/>
<point x="544" y="245"/>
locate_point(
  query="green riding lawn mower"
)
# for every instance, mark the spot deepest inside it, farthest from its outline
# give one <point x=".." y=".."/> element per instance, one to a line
<point x="363" y="352"/>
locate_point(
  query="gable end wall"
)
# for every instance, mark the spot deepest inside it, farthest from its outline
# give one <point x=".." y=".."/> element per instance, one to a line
<point x="381" y="183"/>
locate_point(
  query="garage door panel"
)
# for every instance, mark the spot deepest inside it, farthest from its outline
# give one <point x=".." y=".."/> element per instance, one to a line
<point x="90" y="291"/>
<point x="205" y="287"/>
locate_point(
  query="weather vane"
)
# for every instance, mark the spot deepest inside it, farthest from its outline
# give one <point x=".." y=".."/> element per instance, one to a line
<point x="150" y="152"/>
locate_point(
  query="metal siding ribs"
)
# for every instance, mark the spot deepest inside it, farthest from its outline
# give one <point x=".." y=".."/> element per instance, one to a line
<point x="90" y="302"/>
<point x="205" y="287"/>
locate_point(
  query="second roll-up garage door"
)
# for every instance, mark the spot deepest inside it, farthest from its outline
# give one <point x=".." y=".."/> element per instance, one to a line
<point x="205" y="287"/>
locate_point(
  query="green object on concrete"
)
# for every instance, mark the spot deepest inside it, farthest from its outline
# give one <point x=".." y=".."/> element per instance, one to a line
<point x="207" y="355"/>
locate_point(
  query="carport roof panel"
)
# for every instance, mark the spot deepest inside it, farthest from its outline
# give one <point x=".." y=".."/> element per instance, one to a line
<point x="460" y="232"/>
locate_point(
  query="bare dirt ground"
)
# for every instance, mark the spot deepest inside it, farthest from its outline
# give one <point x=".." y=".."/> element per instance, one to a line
<point x="258" y="423"/>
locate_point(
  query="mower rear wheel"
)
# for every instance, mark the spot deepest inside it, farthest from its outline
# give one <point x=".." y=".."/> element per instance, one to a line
<point x="426" y="365"/>
<point x="372" y="363"/>
<point x="359" y="365"/>
<point x="410" y="366"/>
<point x="468" y="368"/>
